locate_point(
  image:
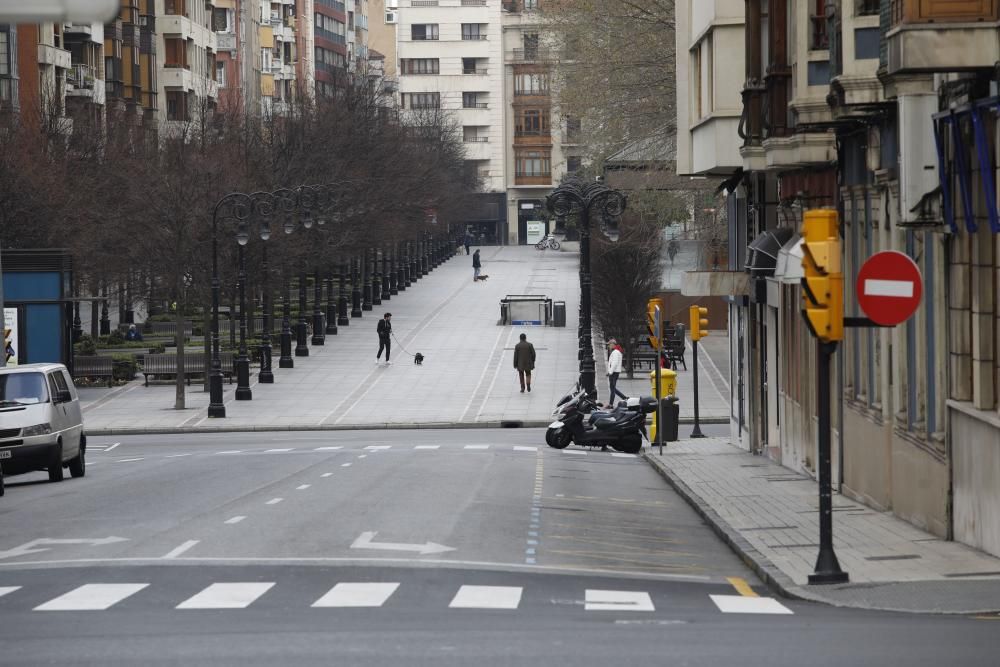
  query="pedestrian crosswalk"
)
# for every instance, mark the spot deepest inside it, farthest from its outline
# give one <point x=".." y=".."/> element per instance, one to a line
<point x="234" y="595"/>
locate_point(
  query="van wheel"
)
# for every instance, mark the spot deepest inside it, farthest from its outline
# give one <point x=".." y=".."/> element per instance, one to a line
<point x="55" y="464"/>
<point x="78" y="465"/>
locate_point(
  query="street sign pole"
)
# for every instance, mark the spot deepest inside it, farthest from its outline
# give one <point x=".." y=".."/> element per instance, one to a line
<point x="659" y="398"/>
<point x="827" y="570"/>
<point x="696" y="432"/>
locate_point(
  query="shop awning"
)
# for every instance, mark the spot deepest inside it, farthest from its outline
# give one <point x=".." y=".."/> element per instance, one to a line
<point x="789" y="267"/>
<point x="764" y="249"/>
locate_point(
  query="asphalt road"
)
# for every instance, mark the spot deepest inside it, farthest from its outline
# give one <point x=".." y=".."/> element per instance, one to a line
<point x="403" y="548"/>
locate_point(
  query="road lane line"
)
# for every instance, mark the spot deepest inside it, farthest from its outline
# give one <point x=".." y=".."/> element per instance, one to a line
<point x="476" y="447"/>
<point x="141" y="458"/>
<point x="327" y="449"/>
<point x="368" y="594"/>
<point x="482" y="376"/>
<point x="274" y="501"/>
<point x="363" y="456"/>
<point x="487" y="597"/>
<point x="619" y="455"/>
<point x="737" y="604"/>
<point x="575" y="452"/>
<point x="275" y="451"/>
<point x="377" y="448"/>
<point x="91" y="597"/>
<point x="175" y="456"/>
<point x="235" y="519"/>
<point x="302" y="487"/>
<point x="112" y="447"/>
<point x="345" y="465"/>
<point x="427" y="447"/>
<point x="603" y="600"/>
<point x="231" y="451"/>
<point x="227" y="596"/>
<point x="4" y="590"/>
<point x="326" y="474"/>
<point x="520" y="448"/>
<point x="181" y="549"/>
<point x="742" y="587"/>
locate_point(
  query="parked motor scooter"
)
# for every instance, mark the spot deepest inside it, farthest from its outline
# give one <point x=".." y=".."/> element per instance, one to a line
<point x="577" y="421"/>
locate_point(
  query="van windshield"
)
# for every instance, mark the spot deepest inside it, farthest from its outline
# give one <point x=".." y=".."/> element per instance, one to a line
<point x="22" y="389"/>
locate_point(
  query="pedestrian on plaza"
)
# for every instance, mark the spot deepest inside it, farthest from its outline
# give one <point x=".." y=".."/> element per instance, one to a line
<point x="384" y="336"/>
<point x="476" y="265"/>
<point x="524" y="361"/>
<point x="614" y="370"/>
<point x="468" y="242"/>
<point x="133" y="333"/>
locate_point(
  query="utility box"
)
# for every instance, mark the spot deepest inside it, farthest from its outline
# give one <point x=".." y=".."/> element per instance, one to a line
<point x="525" y="310"/>
<point x="559" y="314"/>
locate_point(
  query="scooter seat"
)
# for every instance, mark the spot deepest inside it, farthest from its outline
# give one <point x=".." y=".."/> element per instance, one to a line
<point x="605" y="422"/>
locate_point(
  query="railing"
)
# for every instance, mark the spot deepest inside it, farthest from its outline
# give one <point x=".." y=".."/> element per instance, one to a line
<point x="473" y="3"/>
<point x="423" y="3"/>
<point x="476" y="70"/>
<point x="531" y="54"/>
<point x="478" y="37"/>
<point x="818" y="38"/>
<point x="81" y="76"/>
<point x="331" y="36"/>
<point x="476" y="105"/>
<point x="332" y="4"/>
<point x="541" y="92"/>
<point x="476" y="140"/>
<point x="866" y="7"/>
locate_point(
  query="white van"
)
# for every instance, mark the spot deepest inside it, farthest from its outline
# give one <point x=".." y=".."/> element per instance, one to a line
<point x="41" y="427"/>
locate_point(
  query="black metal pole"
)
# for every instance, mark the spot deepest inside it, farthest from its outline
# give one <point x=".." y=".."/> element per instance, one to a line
<point x="343" y="316"/>
<point x="319" y="329"/>
<point x="393" y="270"/>
<point x="827" y="570"/>
<point x="243" y="392"/>
<point x="402" y="267"/>
<point x="356" y="287"/>
<point x="105" y="317"/>
<point x="302" y="333"/>
<point x="366" y="302"/>
<point x="216" y="408"/>
<point x="587" y="366"/>
<point x="266" y="375"/>
<point x="386" y="294"/>
<point x="696" y="431"/>
<point x="286" y="360"/>
<point x="331" y="304"/>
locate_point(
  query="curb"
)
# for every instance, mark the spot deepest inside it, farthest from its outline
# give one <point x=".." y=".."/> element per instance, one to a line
<point x="769" y="573"/>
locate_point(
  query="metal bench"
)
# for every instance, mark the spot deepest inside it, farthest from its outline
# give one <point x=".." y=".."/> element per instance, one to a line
<point x="155" y="365"/>
<point x="94" y="367"/>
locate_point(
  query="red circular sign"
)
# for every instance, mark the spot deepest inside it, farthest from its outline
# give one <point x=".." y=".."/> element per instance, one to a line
<point x="889" y="287"/>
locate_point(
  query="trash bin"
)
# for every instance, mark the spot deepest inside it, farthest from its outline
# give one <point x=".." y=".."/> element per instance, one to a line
<point x="559" y="314"/>
<point x="668" y="382"/>
<point x="670" y="407"/>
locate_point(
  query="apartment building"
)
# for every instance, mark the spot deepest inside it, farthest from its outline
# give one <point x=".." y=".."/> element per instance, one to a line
<point x="886" y="111"/>
<point x="186" y="64"/>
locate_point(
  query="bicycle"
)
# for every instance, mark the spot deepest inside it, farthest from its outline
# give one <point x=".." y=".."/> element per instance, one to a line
<point x="548" y="242"/>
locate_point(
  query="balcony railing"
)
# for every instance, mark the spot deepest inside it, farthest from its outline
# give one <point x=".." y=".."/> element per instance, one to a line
<point x="866" y="7"/>
<point x="531" y="54"/>
<point x="423" y="3"/>
<point x="473" y="3"/>
<point x="81" y="76"/>
<point x="476" y="105"/>
<point x="481" y="71"/>
<point x="819" y="40"/>
<point x="476" y="140"/>
<point x="477" y="37"/>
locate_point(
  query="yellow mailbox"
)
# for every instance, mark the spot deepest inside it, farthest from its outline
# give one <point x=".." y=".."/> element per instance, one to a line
<point x="668" y="387"/>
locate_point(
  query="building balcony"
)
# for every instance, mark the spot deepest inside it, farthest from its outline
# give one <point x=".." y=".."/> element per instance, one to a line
<point x="530" y="55"/>
<point x="50" y="55"/>
<point x="478" y="149"/>
<point x="476" y="71"/>
<point x="714" y="145"/>
<point x="801" y="150"/>
<point x="176" y="76"/>
<point x="533" y="179"/>
<point x="518" y="6"/>
<point x="173" y="25"/>
<point x="928" y="37"/>
<point x="225" y="41"/>
<point x="80" y="80"/>
<point x="475" y="106"/>
<point x="532" y="138"/>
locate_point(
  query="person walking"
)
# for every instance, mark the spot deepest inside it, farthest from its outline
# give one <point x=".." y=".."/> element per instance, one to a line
<point x="476" y="265"/>
<point x="524" y="362"/>
<point x="468" y="242"/>
<point x="614" y="370"/>
<point x="384" y="336"/>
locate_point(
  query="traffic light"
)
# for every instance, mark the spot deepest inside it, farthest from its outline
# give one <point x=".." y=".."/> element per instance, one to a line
<point x="699" y="322"/>
<point x="654" y="335"/>
<point x="823" y="283"/>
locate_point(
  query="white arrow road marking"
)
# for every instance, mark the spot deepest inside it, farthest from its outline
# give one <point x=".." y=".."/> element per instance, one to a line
<point x="364" y="541"/>
<point x="895" y="288"/>
<point x="37" y="545"/>
<point x="600" y="600"/>
<point x="737" y="604"/>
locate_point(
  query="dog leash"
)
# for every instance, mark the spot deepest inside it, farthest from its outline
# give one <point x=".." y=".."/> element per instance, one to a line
<point x="401" y="345"/>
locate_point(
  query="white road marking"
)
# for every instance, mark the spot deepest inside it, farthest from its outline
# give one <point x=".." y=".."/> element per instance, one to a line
<point x="174" y="553"/>
<point x="4" y="590"/>
<point x="623" y="456"/>
<point x="577" y="452"/>
<point x="302" y="487"/>
<point x="177" y="456"/>
<point x="895" y="288"/>
<point x="227" y="596"/>
<point x="112" y="447"/>
<point x="482" y="376"/>
<point x="357" y="595"/>
<point x="363" y="456"/>
<point x="520" y="448"/>
<point x="287" y="449"/>
<point x="738" y="604"/>
<point x="487" y="597"/>
<point x="345" y="465"/>
<point x="376" y="448"/>
<point x="274" y="501"/>
<point x="326" y="474"/>
<point x="231" y="451"/>
<point x="428" y="447"/>
<point x="91" y="597"/>
<point x="601" y="600"/>
<point x="476" y="447"/>
<point x="327" y="449"/>
<point x="235" y="519"/>
<point x="493" y="382"/>
<point x="141" y="458"/>
<point x="366" y="541"/>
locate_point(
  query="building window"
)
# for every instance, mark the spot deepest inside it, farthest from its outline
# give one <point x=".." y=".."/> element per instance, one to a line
<point x="176" y="55"/>
<point x="421" y="65"/>
<point x="220" y="74"/>
<point x="534" y="163"/>
<point x="328" y="61"/>
<point x="331" y="29"/>
<point x="5" y="54"/>
<point x="531" y="84"/>
<point x="531" y="123"/>
<point x="175" y="7"/>
<point x="472" y="101"/>
<point x="422" y="100"/>
<point x="471" y="66"/>
<point x="424" y="31"/>
<point x="473" y="31"/>
<point x="696" y="79"/>
<point x="176" y="105"/>
<point x="574" y="163"/>
<point x="475" y="134"/>
<point x="222" y="20"/>
<point x="530" y="41"/>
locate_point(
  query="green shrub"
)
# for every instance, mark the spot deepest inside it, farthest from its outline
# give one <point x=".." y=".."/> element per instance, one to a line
<point x="115" y="337"/>
<point x="87" y="347"/>
<point x="125" y="366"/>
<point x="159" y="348"/>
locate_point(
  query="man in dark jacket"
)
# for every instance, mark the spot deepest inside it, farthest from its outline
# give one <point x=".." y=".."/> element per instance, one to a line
<point x="384" y="336"/>
<point x="468" y="242"/>
<point x="476" y="265"/>
<point x="524" y="361"/>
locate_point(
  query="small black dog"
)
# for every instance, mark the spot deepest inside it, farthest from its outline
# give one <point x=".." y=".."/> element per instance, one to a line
<point x="418" y="359"/>
<point x="483" y="277"/>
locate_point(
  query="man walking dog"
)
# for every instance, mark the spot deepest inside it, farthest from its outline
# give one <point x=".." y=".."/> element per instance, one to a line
<point x="476" y="265"/>
<point x="384" y="337"/>
<point x="524" y="361"/>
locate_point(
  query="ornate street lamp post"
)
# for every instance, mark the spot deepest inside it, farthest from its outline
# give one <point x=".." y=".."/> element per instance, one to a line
<point x="584" y="199"/>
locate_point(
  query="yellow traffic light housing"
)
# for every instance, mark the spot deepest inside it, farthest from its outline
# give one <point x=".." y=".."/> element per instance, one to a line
<point x="653" y="334"/>
<point x="699" y="322"/>
<point x="823" y="281"/>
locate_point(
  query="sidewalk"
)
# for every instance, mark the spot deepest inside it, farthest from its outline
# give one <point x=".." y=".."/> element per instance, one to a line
<point x="467" y="378"/>
<point x="768" y="514"/>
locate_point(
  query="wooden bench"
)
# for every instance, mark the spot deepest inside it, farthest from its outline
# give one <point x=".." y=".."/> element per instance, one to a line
<point x="155" y="365"/>
<point x="94" y="367"/>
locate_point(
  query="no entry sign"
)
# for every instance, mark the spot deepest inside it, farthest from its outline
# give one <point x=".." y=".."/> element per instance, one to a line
<point x="889" y="287"/>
